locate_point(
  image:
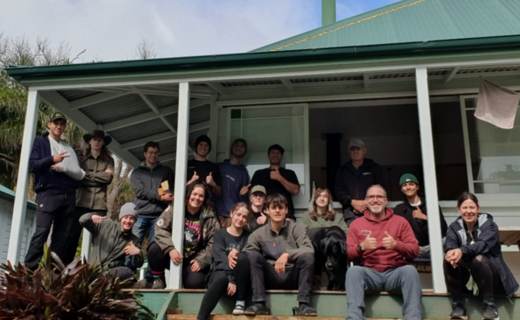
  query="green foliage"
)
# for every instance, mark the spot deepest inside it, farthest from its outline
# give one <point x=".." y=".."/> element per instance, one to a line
<point x="77" y="291"/>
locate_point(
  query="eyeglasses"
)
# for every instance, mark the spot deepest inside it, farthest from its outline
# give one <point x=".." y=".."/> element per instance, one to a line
<point x="376" y="196"/>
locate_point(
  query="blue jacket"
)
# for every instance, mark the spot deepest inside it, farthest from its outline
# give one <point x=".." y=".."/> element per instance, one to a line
<point x="40" y="163"/>
<point x="487" y="244"/>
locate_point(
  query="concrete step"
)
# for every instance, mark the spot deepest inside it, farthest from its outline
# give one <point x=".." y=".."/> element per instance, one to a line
<point x="271" y="317"/>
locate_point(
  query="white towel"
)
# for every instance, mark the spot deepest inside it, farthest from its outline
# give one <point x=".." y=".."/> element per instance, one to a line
<point x="497" y="105"/>
<point x="70" y="164"/>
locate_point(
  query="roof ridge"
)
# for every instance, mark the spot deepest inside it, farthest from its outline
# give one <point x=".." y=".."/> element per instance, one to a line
<point x="346" y="23"/>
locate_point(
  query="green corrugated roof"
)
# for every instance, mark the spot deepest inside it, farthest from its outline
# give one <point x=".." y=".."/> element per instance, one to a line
<point x="412" y="21"/>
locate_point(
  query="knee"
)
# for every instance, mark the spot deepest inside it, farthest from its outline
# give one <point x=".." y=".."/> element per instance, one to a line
<point x="306" y="259"/>
<point x="254" y="257"/>
<point x="355" y="272"/>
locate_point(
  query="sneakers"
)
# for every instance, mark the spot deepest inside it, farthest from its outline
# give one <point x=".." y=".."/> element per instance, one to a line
<point x="238" y="310"/>
<point x="304" y="309"/>
<point x="458" y="311"/>
<point x="490" y="311"/>
<point x="142" y="284"/>
<point x="158" y="284"/>
<point x="257" y="308"/>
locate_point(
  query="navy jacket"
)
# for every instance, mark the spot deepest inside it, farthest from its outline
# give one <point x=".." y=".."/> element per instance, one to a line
<point x="40" y="163"/>
<point x="487" y="244"/>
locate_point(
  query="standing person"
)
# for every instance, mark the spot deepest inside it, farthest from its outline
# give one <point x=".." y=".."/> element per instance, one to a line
<point x="413" y="209"/>
<point x="114" y="246"/>
<point x="201" y="170"/>
<point x="230" y="272"/>
<point x="281" y="257"/>
<point x="200" y="225"/>
<point x="257" y="211"/>
<point x="152" y="183"/>
<point x="353" y="179"/>
<point x="235" y="180"/>
<point x="321" y="214"/>
<point x="385" y="245"/>
<point x="56" y="177"/>
<point x="99" y="167"/>
<point x="472" y="248"/>
<point x="277" y="179"/>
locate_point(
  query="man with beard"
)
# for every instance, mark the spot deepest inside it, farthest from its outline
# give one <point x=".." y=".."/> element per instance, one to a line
<point x="384" y="244"/>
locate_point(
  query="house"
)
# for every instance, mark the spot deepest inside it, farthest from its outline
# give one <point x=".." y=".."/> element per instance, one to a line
<point x="403" y="77"/>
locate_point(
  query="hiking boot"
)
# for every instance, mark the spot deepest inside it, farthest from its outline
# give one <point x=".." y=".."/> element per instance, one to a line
<point x="158" y="284"/>
<point x="490" y="311"/>
<point x="458" y="311"/>
<point x="257" y="308"/>
<point x="304" y="309"/>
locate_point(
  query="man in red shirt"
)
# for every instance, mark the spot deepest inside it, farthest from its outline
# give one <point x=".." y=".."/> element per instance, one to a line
<point x="384" y="244"/>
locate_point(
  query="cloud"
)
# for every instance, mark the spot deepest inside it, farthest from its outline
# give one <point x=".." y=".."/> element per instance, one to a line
<point x="112" y="29"/>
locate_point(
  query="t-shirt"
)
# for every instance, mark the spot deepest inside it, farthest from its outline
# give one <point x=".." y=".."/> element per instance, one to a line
<point x="192" y="235"/>
<point x="263" y="177"/>
<point x="223" y="243"/>
<point x="234" y="177"/>
<point x="203" y="169"/>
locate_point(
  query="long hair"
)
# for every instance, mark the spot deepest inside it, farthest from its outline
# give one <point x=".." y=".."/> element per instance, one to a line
<point x="467" y="196"/>
<point x="238" y="206"/>
<point x="313" y="209"/>
<point x="192" y="187"/>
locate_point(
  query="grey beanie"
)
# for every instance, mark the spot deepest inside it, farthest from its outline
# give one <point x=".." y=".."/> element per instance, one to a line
<point x="128" y="209"/>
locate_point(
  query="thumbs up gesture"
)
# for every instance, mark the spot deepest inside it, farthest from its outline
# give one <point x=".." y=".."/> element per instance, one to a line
<point x="245" y="190"/>
<point x="388" y="241"/>
<point x="194" y="178"/>
<point x="209" y="179"/>
<point x="370" y="243"/>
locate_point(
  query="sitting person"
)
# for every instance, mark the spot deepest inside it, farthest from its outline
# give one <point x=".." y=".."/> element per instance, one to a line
<point x="384" y="244"/>
<point x="473" y="248"/>
<point x="200" y="225"/>
<point x="327" y="231"/>
<point x="113" y="243"/>
<point x="257" y="216"/>
<point x="230" y="272"/>
<point x="321" y="214"/>
<point x="281" y="257"/>
<point x="413" y="209"/>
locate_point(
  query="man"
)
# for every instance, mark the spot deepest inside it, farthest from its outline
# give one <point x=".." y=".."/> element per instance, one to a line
<point x="235" y="180"/>
<point x="413" y="209"/>
<point x="280" y="256"/>
<point x="152" y="183"/>
<point x="354" y="178"/>
<point x="384" y="244"/>
<point x="201" y="170"/>
<point x="277" y="179"/>
<point x="56" y="177"/>
<point x="257" y="216"/>
<point x="113" y="243"/>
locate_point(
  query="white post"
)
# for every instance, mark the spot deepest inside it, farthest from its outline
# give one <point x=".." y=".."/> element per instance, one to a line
<point x="430" y="179"/>
<point x="20" y="200"/>
<point x="85" y="244"/>
<point x="181" y="163"/>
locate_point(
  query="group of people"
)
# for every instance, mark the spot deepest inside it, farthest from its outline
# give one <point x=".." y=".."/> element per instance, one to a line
<point x="241" y="235"/>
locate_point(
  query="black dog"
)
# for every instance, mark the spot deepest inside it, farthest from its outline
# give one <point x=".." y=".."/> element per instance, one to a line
<point x="330" y="255"/>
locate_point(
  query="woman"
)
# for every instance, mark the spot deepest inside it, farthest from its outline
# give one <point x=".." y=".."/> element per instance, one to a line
<point x="98" y="165"/>
<point x="230" y="264"/>
<point x="473" y="248"/>
<point x="200" y="225"/>
<point x="257" y="216"/>
<point x="321" y="213"/>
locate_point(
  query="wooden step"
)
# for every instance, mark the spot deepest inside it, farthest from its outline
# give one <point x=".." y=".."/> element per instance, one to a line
<point x="271" y="317"/>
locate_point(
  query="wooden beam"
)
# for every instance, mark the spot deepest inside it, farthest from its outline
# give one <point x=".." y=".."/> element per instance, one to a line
<point x="95" y="99"/>
<point x="452" y="74"/>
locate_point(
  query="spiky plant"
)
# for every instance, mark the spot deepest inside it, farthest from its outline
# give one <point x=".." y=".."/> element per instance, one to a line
<point x="76" y="291"/>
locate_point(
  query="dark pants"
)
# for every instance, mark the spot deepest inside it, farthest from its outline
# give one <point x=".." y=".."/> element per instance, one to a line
<point x="218" y="284"/>
<point x="158" y="261"/>
<point x="56" y="210"/>
<point x="74" y="230"/>
<point x="122" y="272"/>
<point x="482" y="272"/>
<point x="297" y="275"/>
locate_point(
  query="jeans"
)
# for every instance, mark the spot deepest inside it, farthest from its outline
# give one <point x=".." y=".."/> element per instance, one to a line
<point x="404" y="279"/>
<point x="298" y="275"/>
<point x="145" y="227"/>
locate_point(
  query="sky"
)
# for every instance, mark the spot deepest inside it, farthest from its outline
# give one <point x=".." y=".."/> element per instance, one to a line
<point x="109" y="30"/>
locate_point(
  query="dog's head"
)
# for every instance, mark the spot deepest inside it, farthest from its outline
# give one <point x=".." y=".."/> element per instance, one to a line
<point x="334" y="251"/>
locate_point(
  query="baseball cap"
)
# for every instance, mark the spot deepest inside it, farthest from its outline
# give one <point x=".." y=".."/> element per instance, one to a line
<point x="408" y="177"/>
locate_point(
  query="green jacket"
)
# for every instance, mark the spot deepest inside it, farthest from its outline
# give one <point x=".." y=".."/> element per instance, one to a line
<point x="108" y="242"/>
<point x="322" y="223"/>
<point x="93" y="191"/>
<point x="210" y="225"/>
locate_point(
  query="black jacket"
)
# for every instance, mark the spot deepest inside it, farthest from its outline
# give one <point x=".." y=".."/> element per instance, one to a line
<point x="487" y="244"/>
<point x="145" y="182"/>
<point x="352" y="183"/>
<point x="420" y="227"/>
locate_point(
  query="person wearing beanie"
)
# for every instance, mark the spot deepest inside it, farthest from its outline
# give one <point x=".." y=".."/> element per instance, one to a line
<point x="201" y="170"/>
<point x="114" y="247"/>
<point x="413" y="209"/>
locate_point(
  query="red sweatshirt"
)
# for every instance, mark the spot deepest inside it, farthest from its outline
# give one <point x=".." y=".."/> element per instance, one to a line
<point x="381" y="259"/>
